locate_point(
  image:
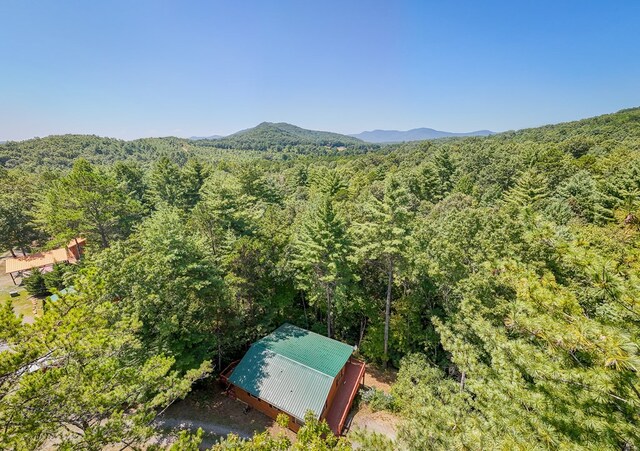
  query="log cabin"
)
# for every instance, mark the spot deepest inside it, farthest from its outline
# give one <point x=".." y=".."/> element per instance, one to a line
<point x="294" y="371"/>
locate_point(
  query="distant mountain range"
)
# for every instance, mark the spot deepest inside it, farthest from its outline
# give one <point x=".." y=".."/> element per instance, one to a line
<point x="282" y="132"/>
<point x="416" y="134"/>
<point x="198" y="138"/>
<point x="61" y="151"/>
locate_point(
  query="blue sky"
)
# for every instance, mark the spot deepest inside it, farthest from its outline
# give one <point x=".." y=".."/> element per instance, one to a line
<point x="139" y="68"/>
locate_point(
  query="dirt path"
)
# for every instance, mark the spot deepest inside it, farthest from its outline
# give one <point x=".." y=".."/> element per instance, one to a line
<point x="212" y="432"/>
<point x="207" y="407"/>
<point x="193" y="425"/>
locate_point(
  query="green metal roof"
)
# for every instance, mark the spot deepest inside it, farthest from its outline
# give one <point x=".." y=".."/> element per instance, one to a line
<point x="313" y="350"/>
<point x="292" y="369"/>
<point x="63" y="292"/>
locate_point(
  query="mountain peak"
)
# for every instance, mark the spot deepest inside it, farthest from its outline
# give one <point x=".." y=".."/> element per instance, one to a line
<point x="416" y="134"/>
<point x="278" y="135"/>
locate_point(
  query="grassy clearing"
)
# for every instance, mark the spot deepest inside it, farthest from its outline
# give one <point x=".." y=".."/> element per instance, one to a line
<point x="22" y="305"/>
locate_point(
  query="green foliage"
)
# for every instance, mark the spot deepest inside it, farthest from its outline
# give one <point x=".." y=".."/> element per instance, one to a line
<point x="36" y="284"/>
<point x="162" y="277"/>
<point x="322" y="247"/>
<point x="18" y="194"/>
<point x="530" y="192"/>
<point x="363" y="439"/>
<point x="583" y="198"/>
<point x="60" y="152"/>
<point x="577" y="146"/>
<point x="187" y="441"/>
<point x="383" y="238"/>
<point x="87" y="202"/>
<point x="377" y="399"/>
<point x="313" y="436"/>
<point x="76" y="379"/>
<point x="316" y="435"/>
<point x="500" y="274"/>
<point x="130" y="179"/>
<point x="56" y="278"/>
<point x="281" y="136"/>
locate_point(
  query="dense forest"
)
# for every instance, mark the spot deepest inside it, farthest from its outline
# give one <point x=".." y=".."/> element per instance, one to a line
<point x="498" y="274"/>
<point x="267" y="140"/>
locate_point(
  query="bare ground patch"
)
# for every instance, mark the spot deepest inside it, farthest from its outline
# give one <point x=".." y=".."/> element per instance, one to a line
<point x="208" y="408"/>
<point x="382" y="422"/>
<point x="380" y="379"/>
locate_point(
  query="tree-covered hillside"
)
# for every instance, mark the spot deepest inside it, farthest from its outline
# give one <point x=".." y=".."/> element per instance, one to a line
<point x="498" y="274"/>
<point x="269" y="136"/>
<point x="62" y="150"/>
<point x="279" y="141"/>
<point x="619" y="126"/>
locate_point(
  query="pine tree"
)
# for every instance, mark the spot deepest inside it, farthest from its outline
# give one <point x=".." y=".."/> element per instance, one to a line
<point x="87" y="202"/>
<point x="582" y="195"/>
<point x="322" y="246"/>
<point x="383" y="237"/>
<point x="164" y="183"/>
<point x="80" y="380"/>
<point x="162" y="276"/>
<point x="18" y="194"/>
<point x="130" y="178"/>
<point x="35" y="283"/>
<point x="445" y="169"/>
<point x="530" y="192"/>
<point x="193" y="175"/>
<point x="425" y="182"/>
<point x="224" y="212"/>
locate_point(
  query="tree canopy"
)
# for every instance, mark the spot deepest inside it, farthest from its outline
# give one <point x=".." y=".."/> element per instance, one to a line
<point x="499" y="275"/>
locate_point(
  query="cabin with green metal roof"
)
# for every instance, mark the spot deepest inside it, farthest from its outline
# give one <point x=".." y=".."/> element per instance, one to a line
<point x="295" y="371"/>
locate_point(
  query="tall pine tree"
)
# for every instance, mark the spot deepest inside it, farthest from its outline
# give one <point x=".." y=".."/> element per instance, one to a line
<point x="383" y="238"/>
<point x="322" y="247"/>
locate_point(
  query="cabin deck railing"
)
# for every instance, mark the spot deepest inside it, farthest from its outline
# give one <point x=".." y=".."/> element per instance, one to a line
<point x="224" y="376"/>
<point x="354" y="390"/>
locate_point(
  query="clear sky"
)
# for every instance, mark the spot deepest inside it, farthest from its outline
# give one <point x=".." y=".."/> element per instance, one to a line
<point x="137" y="68"/>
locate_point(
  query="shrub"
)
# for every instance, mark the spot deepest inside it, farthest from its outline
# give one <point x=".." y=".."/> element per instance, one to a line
<point x="377" y="399"/>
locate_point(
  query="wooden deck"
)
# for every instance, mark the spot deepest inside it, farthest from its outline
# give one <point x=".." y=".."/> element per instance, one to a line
<point x="337" y="414"/>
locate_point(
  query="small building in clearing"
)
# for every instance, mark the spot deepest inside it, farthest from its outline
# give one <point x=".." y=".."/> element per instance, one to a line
<point x="292" y="371"/>
<point x="44" y="261"/>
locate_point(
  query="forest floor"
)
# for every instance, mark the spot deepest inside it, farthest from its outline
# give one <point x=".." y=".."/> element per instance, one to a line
<point x="208" y="408"/>
<point x="380" y="379"/>
<point x="382" y="422"/>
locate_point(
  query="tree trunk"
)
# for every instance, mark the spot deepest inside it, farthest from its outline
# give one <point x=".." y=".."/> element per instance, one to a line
<point x="363" y="326"/>
<point x="13" y="254"/>
<point x="329" y="313"/>
<point x="387" y="314"/>
<point x="103" y="238"/>
<point x="304" y="307"/>
<point x="24" y="252"/>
